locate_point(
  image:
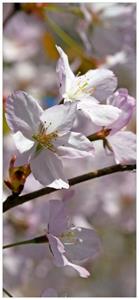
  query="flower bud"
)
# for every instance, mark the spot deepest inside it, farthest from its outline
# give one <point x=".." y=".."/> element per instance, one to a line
<point x="17" y="176"/>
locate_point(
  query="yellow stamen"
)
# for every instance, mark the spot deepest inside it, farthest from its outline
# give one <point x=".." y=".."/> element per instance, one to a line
<point x="45" y="139"/>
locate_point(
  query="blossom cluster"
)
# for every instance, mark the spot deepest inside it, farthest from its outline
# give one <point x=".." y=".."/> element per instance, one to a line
<point x="44" y="137"/>
<point x="90" y="108"/>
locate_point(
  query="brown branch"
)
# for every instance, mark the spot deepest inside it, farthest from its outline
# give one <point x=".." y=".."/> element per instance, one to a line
<point x="37" y="240"/>
<point x="7" y="293"/>
<point x="13" y="201"/>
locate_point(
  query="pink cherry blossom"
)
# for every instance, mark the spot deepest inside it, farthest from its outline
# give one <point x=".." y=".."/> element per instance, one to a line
<point x="88" y="90"/>
<point x="123" y="143"/>
<point x="126" y="103"/>
<point x="41" y="137"/>
<point x="68" y="243"/>
<point x="108" y="27"/>
<point x="96" y="84"/>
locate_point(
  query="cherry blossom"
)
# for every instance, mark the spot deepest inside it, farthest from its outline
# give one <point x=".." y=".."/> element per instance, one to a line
<point x="122" y="143"/>
<point x="69" y="243"/>
<point x="51" y="242"/>
<point x="41" y="137"/>
<point x="126" y="103"/>
<point x="108" y="27"/>
<point x="96" y="84"/>
<point x="116" y="140"/>
<point x="88" y="90"/>
<point x="119" y="142"/>
<point x="123" y="146"/>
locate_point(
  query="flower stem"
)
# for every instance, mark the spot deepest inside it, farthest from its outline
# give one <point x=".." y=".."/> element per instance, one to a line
<point x="7" y="293"/>
<point x="18" y="200"/>
<point x="36" y="240"/>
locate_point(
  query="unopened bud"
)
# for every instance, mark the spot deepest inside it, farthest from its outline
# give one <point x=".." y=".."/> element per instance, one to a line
<point x="17" y="176"/>
<point x="100" y="135"/>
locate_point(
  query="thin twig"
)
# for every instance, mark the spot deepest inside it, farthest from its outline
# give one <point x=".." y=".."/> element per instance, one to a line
<point x="18" y="200"/>
<point x="37" y="240"/>
<point x="7" y="293"/>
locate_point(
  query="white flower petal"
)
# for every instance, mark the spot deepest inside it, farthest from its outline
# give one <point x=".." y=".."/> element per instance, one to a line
<point x="102" y="81"/>
<point x="78" y="146"/>
<point x="60" y="259"/>
<point x="101" y="115"/>
<point x="69" y="156"/>
<point x="24" y="157"/>
<point x="82" y="271"/>
<point x="84" y="124"/>
<point x="23" y="113"/>
<point x="126" y="103"/>
<point x="58" y="217"/>
<point x="99" y="83"/>
<point x="22" y="143"/>
<point x="65" y="74"/>
<point x="59" y="117"/>
<point x="80" y="142"/>
<point x="62" y="139"/>
<point x="47" y="168"/>
<point x="123" y="144"/>
<point x="87" y="244"/>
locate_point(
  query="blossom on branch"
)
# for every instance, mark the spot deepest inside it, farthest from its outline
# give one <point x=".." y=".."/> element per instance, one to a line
<point x="123" y="143"/>
<point x="108" y="28"/>
<point x="88" y="90"/>
<point x="42" y="137"/>
<point x="116" y="140"/>
<point x="69" y="243"/>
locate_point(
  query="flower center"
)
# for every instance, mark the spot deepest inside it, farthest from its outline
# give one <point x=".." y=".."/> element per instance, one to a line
<point x="71" y="237"/>
<point x="78" y="90"/>
<point x="80" y="87"/>
<point x="45" y="139"/>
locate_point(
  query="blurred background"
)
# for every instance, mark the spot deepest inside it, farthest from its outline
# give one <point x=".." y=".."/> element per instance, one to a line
<point x="94" y="35"/>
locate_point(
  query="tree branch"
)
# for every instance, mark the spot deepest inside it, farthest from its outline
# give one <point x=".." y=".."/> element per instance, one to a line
<point x="13" y="200"/>
<point x="7" y="293"/>
<point x="37" y="240"/>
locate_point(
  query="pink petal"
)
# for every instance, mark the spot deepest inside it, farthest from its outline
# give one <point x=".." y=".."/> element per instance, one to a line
<point x="23" y="113"/>
<point x="59" y="117"/>
<point x="60" y="259"/>
<point x="47" y="168"/>
<point x="58" y="217"/>
<point x="100" y="115"/>
<point x="103" y="81"/>
<point x="22" y="144"/>
<point x="126" y="103"/>
<point x="78" y="146"/>
<point x="123" y="144"/>
<point x="65" y="74"/>
<point x="86" y="244"/>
